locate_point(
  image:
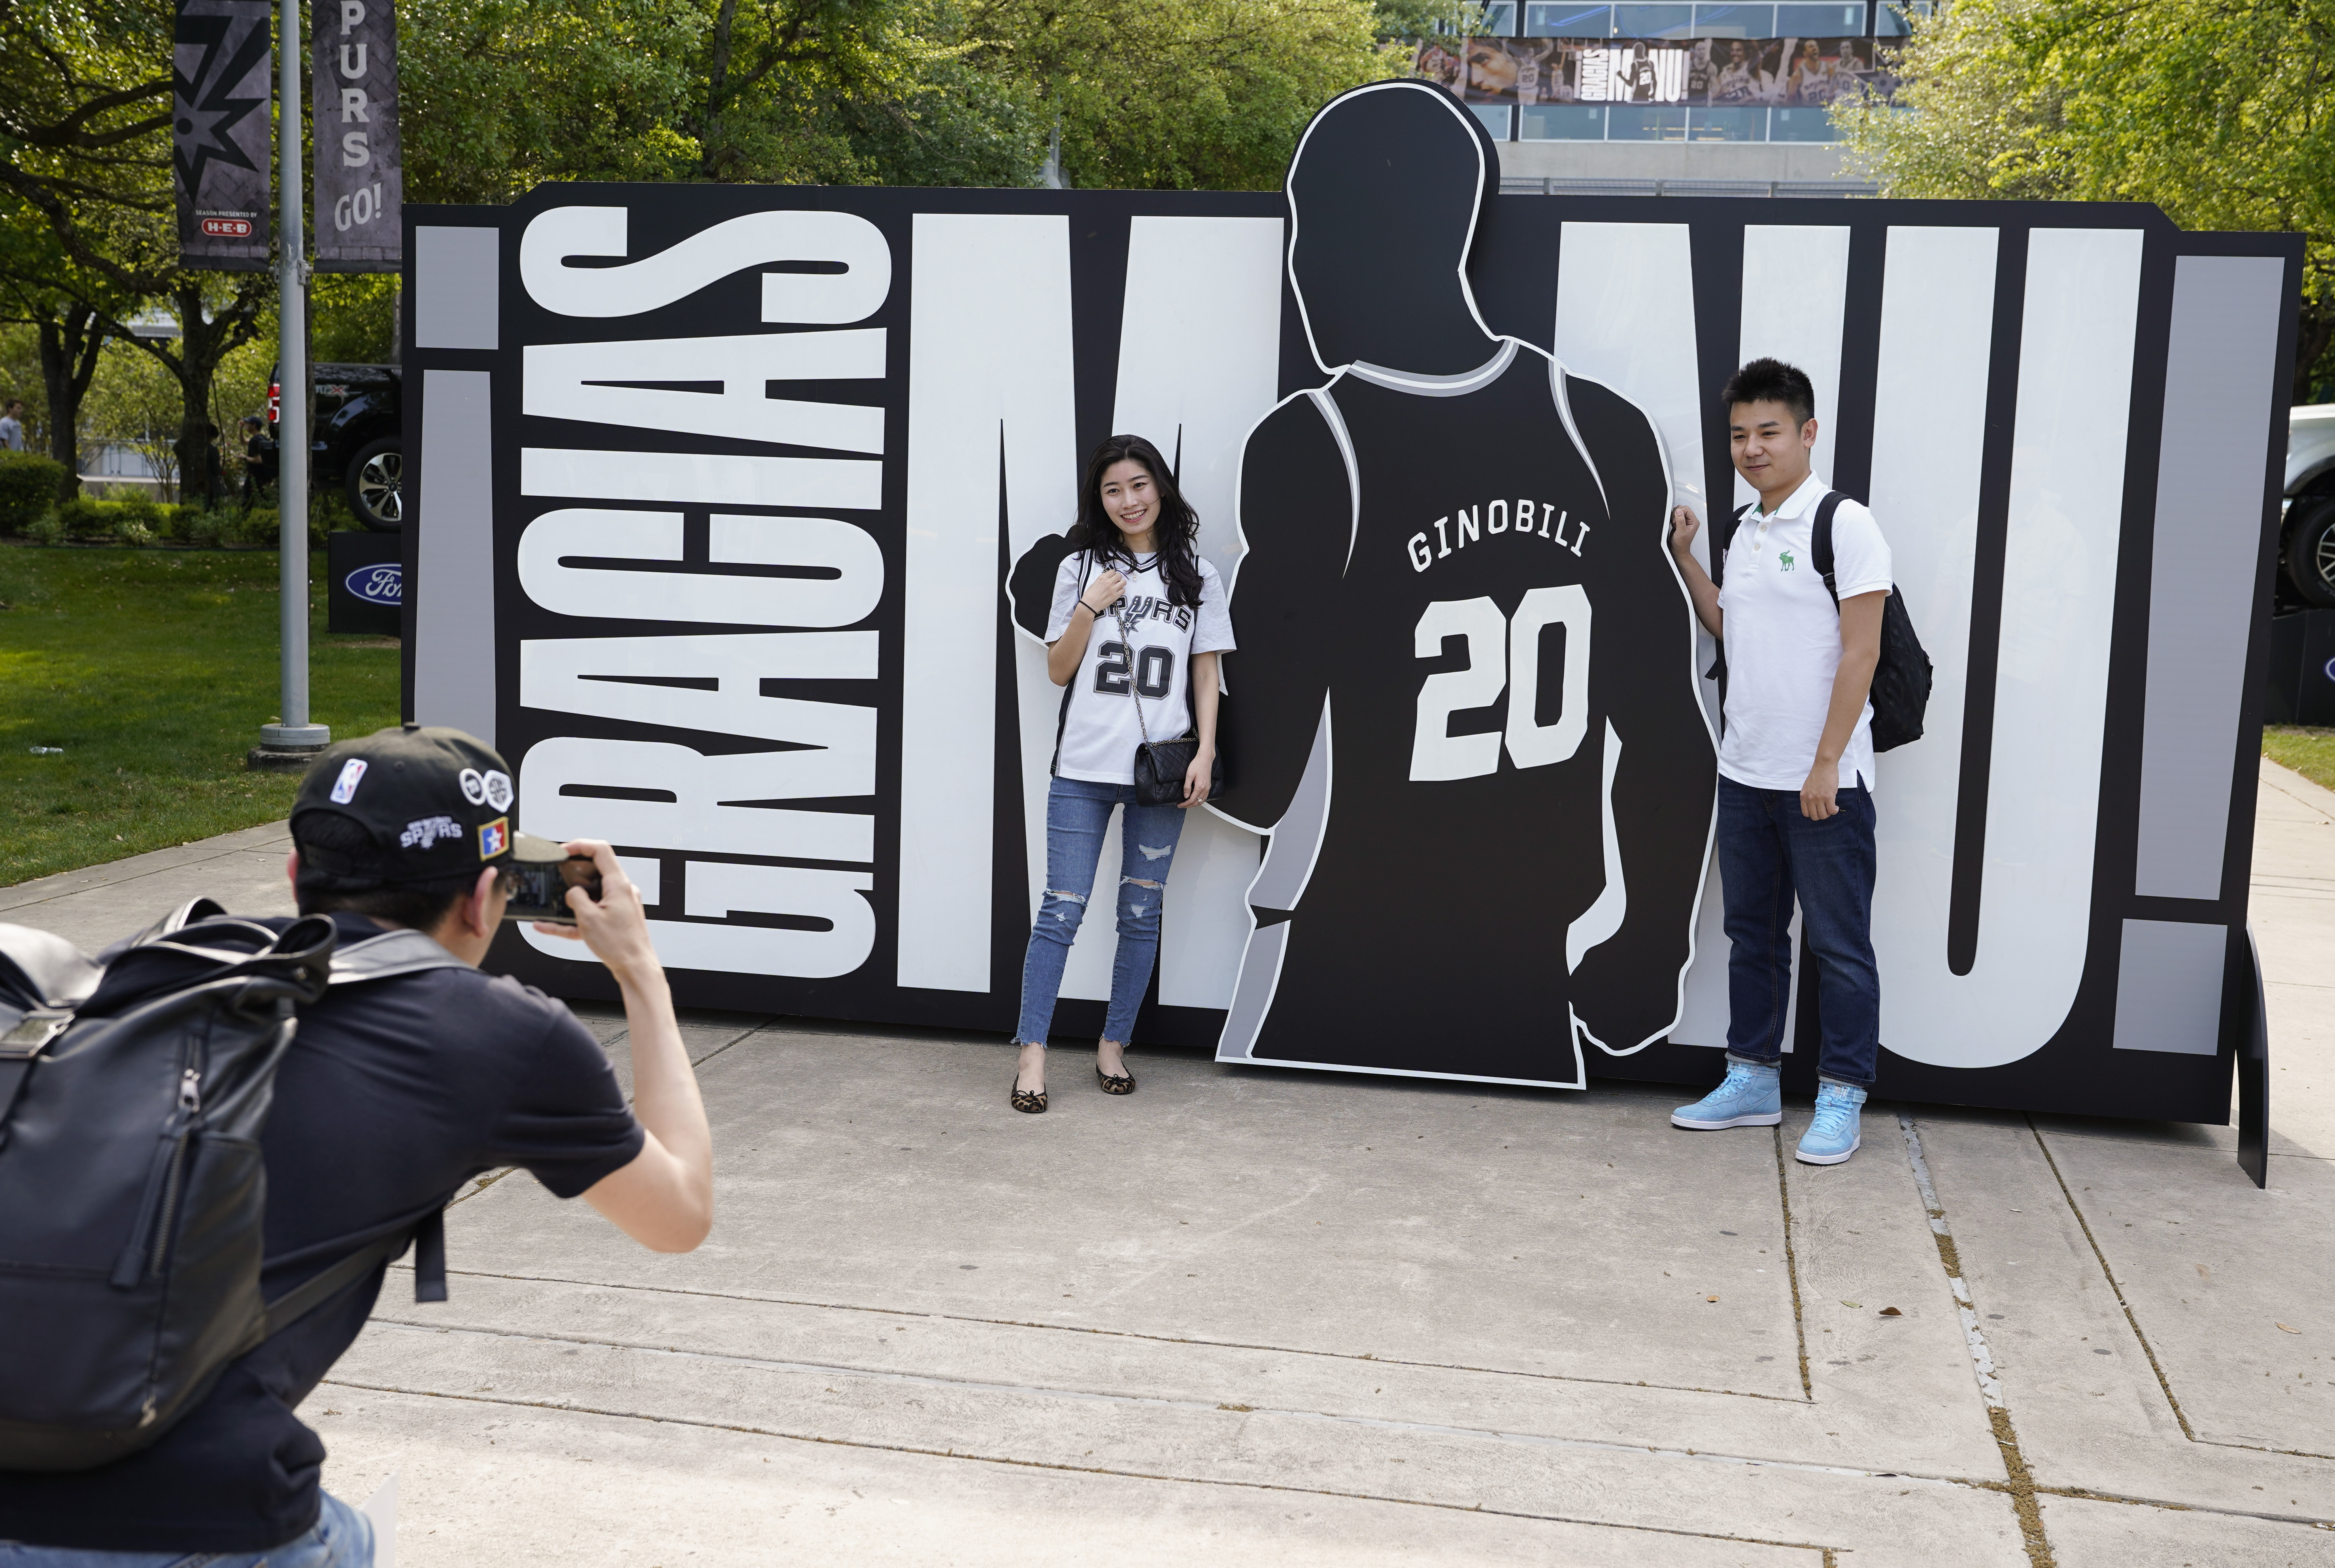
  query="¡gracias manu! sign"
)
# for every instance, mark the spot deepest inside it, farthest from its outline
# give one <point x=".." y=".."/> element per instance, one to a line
<point x="732" y="502"/>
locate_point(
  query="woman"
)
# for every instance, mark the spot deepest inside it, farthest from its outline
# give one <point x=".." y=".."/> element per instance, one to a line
<point x="1152" y="667"/>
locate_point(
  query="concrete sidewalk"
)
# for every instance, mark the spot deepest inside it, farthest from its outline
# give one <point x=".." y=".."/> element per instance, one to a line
<point x="1446" y="1323"/>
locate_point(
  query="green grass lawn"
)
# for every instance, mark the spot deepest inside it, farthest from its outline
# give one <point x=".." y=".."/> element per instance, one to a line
<point x="154" y="670"/>
<point x="2310" y="752"/>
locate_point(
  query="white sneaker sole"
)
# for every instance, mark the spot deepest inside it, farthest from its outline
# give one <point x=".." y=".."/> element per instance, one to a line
<point x="1771" y="1118"/>
<point x="1805" y="1157"/>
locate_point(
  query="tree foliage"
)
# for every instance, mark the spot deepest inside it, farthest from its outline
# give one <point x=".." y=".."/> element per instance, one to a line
<point x="1176" y="94"/>
<point x="2220" y="112"/>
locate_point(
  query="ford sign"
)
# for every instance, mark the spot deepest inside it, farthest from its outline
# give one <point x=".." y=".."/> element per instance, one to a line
<point x="378" y="585"/>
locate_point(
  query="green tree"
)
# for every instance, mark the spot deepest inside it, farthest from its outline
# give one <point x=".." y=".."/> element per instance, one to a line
<point x="1179" y="94"/>
<point x="501" y="95"/>
<point x="2220" y="112"/>
<point x="86" y="90"/>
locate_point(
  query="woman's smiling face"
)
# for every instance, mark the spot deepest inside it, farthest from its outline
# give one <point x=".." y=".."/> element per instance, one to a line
<point x="1130" y="497"/>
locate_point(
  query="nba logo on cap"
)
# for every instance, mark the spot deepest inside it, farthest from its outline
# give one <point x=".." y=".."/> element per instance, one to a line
<point x="494" y="837"/>
<point x="344" y="788"/>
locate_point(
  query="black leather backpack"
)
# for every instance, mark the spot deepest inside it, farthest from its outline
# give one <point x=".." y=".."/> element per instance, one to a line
<point x="133" y="1088"/>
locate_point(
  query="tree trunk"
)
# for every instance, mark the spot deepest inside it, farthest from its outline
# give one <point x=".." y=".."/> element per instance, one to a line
<point x="2315" y="333"/>
<point x="70" y="343"/>
<point x="200" y="348"/>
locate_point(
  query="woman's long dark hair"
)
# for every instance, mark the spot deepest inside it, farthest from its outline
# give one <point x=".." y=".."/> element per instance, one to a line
<point x="1172" y="534"/>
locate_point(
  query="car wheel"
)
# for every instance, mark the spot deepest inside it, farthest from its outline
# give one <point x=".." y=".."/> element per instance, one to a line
<point x="376" y="485"/>
<point x="2311" y="551"/>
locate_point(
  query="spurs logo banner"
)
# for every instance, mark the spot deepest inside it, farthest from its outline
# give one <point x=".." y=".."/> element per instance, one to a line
<point x="738" y="508"/>
<point x="220" y="125"/>
<point x="359" y="169"/>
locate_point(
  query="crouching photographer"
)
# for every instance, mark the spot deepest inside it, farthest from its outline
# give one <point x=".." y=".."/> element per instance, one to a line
<point x="408" y="1073"/>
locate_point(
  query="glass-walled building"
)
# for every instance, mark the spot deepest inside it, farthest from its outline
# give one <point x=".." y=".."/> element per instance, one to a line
<point x="1544" y="71"/>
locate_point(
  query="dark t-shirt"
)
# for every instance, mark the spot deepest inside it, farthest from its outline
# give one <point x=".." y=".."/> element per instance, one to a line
<point x="394" y="1093"/>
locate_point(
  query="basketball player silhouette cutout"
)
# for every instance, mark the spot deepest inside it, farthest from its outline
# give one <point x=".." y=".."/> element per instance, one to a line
<point x="1464" y="703"/>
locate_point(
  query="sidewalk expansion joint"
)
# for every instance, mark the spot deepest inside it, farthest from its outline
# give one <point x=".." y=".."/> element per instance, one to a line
<point x="979" y="1458"/>
<point x="2020" y="1487"/>
<point x="1792" y="1265"/>
<point x="1375" y="1361"/>
<point x="2100" y="1256"/>
<point x="1158" y="1401"/>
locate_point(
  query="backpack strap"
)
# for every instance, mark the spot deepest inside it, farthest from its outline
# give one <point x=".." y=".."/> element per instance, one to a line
<point x="428" y="1236"/>
<point x="1820" y="542"/>
<point x="393" y="952"/>
<point x="1723" y="542"/>
<point x="381" y="957"/>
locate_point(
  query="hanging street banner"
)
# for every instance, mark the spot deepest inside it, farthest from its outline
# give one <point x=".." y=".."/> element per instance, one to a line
<point x="1703" y="73"/>
<point x="360" y="169"/>
<point x="220" y="133"/>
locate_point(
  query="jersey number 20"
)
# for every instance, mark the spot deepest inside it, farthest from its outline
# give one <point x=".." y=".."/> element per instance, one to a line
<point x="1503" y="655"/>
<point x="1154" y="672"/>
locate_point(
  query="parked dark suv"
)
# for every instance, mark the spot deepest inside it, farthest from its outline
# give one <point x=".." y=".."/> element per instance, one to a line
<point x="356" y="441"/>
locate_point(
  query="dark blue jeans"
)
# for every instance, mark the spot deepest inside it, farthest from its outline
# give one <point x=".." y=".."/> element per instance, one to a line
<point x="1768" y="852"/>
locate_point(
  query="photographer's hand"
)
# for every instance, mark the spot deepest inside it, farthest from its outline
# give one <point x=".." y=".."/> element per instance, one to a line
<point x="665" y="1198"/>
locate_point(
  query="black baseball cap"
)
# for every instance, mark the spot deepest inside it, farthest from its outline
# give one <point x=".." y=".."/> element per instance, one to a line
<point x="435" y="802"/>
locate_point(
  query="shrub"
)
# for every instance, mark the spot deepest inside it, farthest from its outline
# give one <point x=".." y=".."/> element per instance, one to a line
<point x="29" y="484"/>
<point x="198" y="527"/>
<point x="134" y="533"/>
<point x="45" y="529"/>
<point x="81" y="517"/>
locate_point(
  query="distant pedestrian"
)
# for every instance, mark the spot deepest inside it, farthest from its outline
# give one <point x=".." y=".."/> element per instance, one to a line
<point x="11" y="426"/>
<point x="258" y="458"/>
<point x="1795" y="762"/>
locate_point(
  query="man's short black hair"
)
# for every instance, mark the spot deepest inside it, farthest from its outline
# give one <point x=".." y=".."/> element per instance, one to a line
<point x="339" y="870"/>
<point x="1771" y="380"/>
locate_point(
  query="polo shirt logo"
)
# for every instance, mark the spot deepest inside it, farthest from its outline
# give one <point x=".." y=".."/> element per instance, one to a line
<point x="1785" y="561"/>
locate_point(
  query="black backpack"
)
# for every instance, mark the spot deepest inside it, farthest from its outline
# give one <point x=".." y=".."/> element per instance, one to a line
<point x="133" y="1090"/>
<point x="1901" y="680"/>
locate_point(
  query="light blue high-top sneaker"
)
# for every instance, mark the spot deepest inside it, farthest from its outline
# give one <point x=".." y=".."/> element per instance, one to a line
<point x="1747" y="1096"/>
<point x="1834" y="1135"/>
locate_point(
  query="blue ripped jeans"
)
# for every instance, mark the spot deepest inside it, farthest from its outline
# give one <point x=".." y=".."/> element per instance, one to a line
<point x="1077" y="815"/>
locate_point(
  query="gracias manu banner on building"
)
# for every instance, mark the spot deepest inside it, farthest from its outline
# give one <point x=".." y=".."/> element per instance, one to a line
<point x="1699" y="73"/>
<point x="726" y="496"/>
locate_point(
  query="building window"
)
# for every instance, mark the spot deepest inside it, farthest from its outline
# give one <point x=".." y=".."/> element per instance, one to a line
<point x="1735" y="21"/>
<point x="1727" y="125"/>
<point x="1802" y="125"/>
<point x="1820" y="21"/>
<point x="1628" y="122"/>
<point x="1495" y="116"/>
<point x="1564" y="123"/>
<point x="1569" y="21"/>
<point x="1652" y="21"/>
<point x="1500" y="19"/>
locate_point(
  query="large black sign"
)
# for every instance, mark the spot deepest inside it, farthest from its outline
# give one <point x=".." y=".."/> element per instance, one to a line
<point x="220" y="133"/>
<point x="720" y="491"/>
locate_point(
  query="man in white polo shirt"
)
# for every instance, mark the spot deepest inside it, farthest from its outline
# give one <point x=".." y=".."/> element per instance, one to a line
<point x="1795" y="762"/>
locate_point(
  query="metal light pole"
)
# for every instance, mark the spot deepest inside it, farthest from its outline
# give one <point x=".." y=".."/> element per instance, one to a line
<point x="292" y="740"/>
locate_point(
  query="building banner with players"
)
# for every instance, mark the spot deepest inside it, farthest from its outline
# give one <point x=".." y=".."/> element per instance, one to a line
<point x="734" y="505"/>
<point x="221" y="94"/>
<point x="1696" y="72"/>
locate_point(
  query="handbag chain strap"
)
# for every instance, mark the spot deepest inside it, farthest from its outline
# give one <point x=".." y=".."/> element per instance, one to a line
<point x="1126" y="641"/>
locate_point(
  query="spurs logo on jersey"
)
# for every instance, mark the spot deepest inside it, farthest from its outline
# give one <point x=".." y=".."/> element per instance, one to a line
<point x="1471" y="729"/>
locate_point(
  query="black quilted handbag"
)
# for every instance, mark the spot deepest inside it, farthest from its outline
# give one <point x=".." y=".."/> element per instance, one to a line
<point x="1160" y="765"/>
